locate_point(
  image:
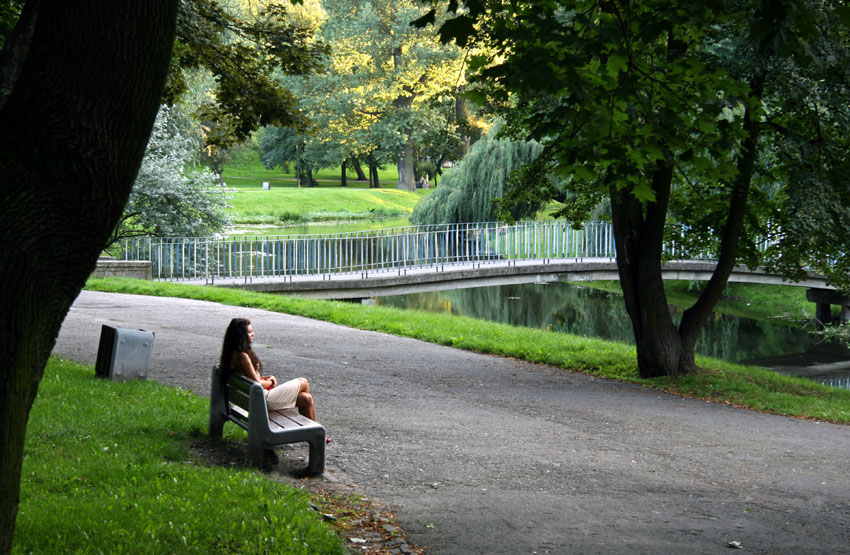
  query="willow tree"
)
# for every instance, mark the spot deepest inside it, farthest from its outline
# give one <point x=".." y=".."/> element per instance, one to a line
<point x="468" y="191"/>
<point x="681" y="112"/>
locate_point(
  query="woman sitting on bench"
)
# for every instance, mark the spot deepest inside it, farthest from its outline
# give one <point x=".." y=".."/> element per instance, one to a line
<point x="237" y="357"/>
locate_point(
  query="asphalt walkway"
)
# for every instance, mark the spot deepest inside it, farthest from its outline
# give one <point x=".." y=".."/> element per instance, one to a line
<point x="483" y="454"/>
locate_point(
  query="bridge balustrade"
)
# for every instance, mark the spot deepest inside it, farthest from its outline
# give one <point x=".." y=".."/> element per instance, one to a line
<point x="385" y="250"/>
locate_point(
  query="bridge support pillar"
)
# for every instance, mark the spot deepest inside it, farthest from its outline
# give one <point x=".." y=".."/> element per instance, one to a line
<point x="824" y="299"/>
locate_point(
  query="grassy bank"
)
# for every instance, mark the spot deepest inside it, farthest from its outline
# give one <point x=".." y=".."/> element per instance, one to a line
<point x="103" y="473"/>
<point x="718" y="381"/>
<point x="285" y="205"/>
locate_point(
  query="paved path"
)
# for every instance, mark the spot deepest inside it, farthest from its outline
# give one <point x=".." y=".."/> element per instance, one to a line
<point x="483" y="454"/>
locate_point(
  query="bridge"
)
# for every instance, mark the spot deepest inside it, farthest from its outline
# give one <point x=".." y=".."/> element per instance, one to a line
<point x="411" y="259"/>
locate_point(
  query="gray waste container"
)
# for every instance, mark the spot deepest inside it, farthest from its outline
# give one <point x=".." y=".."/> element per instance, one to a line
<point x="123" y="353"/>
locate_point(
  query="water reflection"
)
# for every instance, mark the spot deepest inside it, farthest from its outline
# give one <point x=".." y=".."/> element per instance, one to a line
<point x="564" y="307"/>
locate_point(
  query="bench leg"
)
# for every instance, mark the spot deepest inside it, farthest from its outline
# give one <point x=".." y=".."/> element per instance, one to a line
<point x="256" y="448"/>
<point x="218" y="406"/>
<point x="317" y="453"/>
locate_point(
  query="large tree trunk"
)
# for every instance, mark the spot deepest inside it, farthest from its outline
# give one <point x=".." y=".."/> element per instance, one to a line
<point x="343" y="178"/>
<point x="73" y="130"/>
<point x="407" y="153"/>
<point x="662" y="349"/>
<point x="406" y="177"/>
<point x="639" y="234"/>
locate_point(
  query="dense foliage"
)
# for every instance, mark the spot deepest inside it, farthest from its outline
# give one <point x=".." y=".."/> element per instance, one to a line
<point x="169" y="200"/>
<point x="385" y="94"/>
<point x="718" y="123"/>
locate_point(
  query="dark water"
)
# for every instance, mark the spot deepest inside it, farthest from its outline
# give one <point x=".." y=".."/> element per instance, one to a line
<point x="562" y="307"/>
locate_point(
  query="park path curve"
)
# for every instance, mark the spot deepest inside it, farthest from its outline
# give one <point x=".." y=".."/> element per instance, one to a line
<point x="483" y="454"/>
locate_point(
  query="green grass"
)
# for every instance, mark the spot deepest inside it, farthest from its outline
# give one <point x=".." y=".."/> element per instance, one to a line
<point x="717" y="381"/>
<point x="250" y="174"/>
<point x="320" y="204"/>
<point x="108" y="469"/>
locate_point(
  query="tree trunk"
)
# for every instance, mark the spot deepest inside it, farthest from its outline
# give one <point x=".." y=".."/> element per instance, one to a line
<point x="639" y="234"/>
<point x="462" y="119"/>
<point x="406" y="178"/>
<point x="310" y="181"/>
<point x="662" y="349"/>
<point x="361" y="175"/>
<point x="695" y="317"/>
<point x="407" y="153"/>
<point x="73" y="131"/>
<point x="343" y="178"/>
<point x="374" y="182"/>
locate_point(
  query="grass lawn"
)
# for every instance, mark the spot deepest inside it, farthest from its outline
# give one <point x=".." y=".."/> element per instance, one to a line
<point x="320" y="204"/>
<point x="250" y="174"/>
<point x="717" y="381"/>
<point x="108" y="469"/>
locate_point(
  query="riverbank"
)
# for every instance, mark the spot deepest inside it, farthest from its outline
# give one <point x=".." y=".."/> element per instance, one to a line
<point x="717" y="381"/>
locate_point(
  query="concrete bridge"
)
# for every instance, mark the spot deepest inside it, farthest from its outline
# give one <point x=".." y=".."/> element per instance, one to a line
<point x="417" y="258"/>
<point x="368" y="284"/>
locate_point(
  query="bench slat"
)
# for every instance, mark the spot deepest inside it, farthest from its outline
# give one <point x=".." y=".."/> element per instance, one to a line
<point x="288" y="419"/>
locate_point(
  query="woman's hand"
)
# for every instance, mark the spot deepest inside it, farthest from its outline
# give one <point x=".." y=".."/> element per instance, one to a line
<point x="272" y="382"/>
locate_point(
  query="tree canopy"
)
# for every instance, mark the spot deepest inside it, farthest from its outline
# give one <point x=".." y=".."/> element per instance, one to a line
<point x="381" y="89"/>
<point x="719" y="123"/>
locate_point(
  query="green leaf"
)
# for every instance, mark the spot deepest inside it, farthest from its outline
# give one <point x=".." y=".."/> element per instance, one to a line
<point x="644" y="193"/>
<point x="617" y="62"/>
<point x="460" y="29"/>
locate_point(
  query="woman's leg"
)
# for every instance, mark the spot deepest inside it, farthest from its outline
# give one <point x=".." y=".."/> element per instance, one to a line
<point x="304" y="401"/>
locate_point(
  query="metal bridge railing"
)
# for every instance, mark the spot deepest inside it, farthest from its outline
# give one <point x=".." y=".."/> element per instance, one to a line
<point x="192" y="258"/>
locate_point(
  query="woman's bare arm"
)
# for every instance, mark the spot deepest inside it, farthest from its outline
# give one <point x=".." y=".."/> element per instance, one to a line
<point x="245" y="366"/>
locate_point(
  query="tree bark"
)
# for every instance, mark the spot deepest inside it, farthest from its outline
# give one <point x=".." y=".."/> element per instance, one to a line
<point x="358" y="169"/>
<point x="407" y="153"/>
<point x="343" y="178"/>
<point x="406" y="177"/>
<point x="73" y="131"/>
<point x="639" y="235"/>
<point x="374" y="182"/>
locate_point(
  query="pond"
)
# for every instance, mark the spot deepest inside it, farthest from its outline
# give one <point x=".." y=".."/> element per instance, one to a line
<point x="783" y="346"/>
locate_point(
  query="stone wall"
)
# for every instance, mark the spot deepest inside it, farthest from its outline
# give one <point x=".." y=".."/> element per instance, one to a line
<point x="110" y="267"/>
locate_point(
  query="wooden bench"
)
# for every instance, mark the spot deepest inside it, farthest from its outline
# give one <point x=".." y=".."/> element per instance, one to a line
<point x="243" y="403"/>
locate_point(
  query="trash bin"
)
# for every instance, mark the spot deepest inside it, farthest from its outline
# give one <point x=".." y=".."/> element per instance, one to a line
<point x="123" y="353"/>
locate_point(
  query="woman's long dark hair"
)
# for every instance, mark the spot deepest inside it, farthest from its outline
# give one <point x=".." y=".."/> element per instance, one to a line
<point x="236" y="340"/>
